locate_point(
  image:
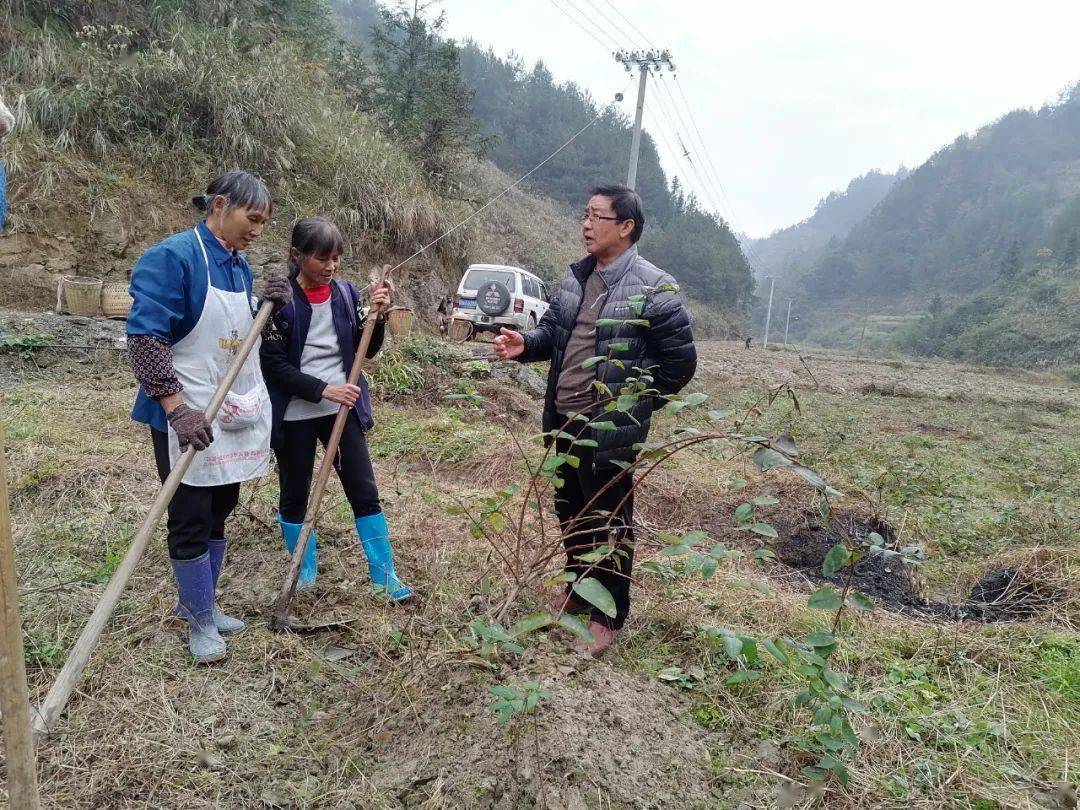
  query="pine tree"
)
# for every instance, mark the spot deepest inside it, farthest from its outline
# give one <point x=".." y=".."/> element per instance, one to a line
<point x="1013" y="262"/>
<point x="422" y="95"/>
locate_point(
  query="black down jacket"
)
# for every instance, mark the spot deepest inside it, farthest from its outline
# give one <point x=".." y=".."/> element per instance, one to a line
<point x="666" y="345"/>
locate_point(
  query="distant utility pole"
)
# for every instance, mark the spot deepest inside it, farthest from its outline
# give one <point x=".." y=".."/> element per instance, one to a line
<point x="644" y="61"/>
<point x="787" y="323"/>
<point x="768" y="316"/>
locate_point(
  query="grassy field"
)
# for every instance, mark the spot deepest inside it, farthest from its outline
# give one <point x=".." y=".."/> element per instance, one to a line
<point x="976" y="467"/>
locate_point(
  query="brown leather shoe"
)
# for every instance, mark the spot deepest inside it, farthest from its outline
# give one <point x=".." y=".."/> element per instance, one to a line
<point x="603" y="637"/>
<point x="566" y="601"/>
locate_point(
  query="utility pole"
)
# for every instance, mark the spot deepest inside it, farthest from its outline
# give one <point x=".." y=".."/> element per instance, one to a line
<point x="787" y="323"/>
<point x="644" y="61"/>
<point x="768" y="316"/>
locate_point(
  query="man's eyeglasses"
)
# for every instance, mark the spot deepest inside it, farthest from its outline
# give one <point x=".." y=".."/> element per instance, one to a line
<point x="594" y="218"/>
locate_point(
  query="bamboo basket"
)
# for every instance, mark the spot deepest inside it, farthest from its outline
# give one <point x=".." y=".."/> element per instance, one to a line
<point x="460" y="330"/>
<point x="82" y="295"/>
<point x="400" y="321"/>
<point x="115" y="300"/>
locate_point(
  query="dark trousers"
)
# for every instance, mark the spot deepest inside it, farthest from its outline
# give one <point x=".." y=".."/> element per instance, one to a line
<point x="195" y="513"/>
<point x="608" y="520"/>
<point x="296" y="460"/>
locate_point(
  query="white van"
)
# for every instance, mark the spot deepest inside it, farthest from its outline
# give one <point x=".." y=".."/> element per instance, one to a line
<point x="491" y="296"/>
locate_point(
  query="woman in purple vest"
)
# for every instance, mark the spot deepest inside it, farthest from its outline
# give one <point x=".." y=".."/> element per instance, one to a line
<point x="305" y="361"/>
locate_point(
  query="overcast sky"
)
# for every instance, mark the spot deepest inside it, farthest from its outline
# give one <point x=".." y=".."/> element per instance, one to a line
<point x="795" y="99"/>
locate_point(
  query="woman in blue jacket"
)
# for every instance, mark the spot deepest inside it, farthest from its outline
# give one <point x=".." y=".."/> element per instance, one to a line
<point x="306" y="360"/>
<point x="192" y="309"/>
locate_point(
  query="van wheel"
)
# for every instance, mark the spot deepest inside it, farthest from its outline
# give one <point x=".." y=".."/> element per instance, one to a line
<point x="531" y="324"/>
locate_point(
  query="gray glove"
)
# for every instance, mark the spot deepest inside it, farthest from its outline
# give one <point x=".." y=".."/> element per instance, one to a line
<point x="191" y="427"/>
<point x="278" y="291"/>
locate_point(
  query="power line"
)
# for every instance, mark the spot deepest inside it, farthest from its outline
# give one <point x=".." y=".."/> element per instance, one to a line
<point x="617" y="27"/>
<point x="684" y="156"/>
<point x="580" y="25"/>
<point x="709" y="165"/>
<point x="708" y="156"/>
<point x="509" y="188"/>
<point x="628" y="22"/>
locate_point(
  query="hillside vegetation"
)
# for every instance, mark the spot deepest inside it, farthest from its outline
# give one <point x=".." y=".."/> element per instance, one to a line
<point x="788" y="252"/>
<point x="124" y="112"/>
<point x="983" y="238"/>
<point x="521" y="114"/>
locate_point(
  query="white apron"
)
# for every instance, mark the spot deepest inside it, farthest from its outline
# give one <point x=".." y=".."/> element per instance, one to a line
<point x="200" y="361"/>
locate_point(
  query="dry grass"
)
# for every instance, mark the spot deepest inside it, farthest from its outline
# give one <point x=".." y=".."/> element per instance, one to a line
<point x="391" y="710"/>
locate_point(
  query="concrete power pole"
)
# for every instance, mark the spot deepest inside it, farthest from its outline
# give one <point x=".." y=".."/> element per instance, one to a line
<point x="787" y="323"/>
<point x="644" y="61"/>
<point x="768" y="316"/>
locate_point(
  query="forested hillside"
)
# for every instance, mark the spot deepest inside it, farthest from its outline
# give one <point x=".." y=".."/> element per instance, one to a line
<point x="982" y="238"/>
<point x="523" y="114"/>
<point x="788" y="252"/>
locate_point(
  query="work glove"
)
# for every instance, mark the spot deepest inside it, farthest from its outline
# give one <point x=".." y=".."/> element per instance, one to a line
<point x="278" y="291"/>
<point x="191" y="427"/>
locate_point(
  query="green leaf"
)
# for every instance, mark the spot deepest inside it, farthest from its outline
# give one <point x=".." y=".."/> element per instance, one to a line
<point x="813" y="478"/>
<point x="744" y="513"/>
<point x="505" y="692"/>
<point x="592" y="361"/>
<point x="773" y="648"/>
<point x="765" y="500"/>
<point x="733" y="647"/>
<point x="586" y="443"/>
<point x="674" y="551"/>
<point x="708" y="567"/>
<point x="674" y="406"/>
<point x="596" y="595"/>
<point x="876" y="539"/>
<point x="836" y="559"/>
<point x="576" y="625"/>
<point x="625" y="402"/>
<point x="764" y="529"/>
<point x="718" y="416"/>
<point x="694" y="537"/>
<point x="814" y="774"/>
<point x="596" y="554"/>
<point x="836" y="766"/>
<point x="565" y="576"/>
<point x="834" y="679"/>
<point x="608" y="323"/>
<point x="695" y="399"/>
<point x="768" y="459"/>
<point x="573" y="461"/>
<point x="820" y="639"/>
<point x="860" y="601"/>
<point x="618" y="347"/>
<point x="638" y="322"/>
<point x="737" y="483"/>
<point x="741" y="676"/>
<point x="825" y="599"/>
<point x="530" y="624"/>
<point x="603" y="426"/>
<point x="511" y="647"/>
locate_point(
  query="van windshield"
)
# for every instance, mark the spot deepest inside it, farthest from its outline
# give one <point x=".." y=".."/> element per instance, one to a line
<point x="478" y="277"/>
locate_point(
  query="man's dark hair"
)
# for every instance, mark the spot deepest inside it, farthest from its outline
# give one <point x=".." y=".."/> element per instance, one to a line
<point x="626" y="204"/>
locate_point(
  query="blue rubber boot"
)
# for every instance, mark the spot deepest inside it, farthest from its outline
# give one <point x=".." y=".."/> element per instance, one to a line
<point x="195" y="588"/>
<point x="375" y="540"/>
<point x="225" y="623"/>
<point x="309" y="568"/>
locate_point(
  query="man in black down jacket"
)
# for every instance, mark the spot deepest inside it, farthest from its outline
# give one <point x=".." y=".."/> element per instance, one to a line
<point x="595" y="504"/>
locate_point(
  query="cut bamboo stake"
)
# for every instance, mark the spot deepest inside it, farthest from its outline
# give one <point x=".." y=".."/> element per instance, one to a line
<point x="279" y="619"/>
<point x="61" y="690"/>
<point x="14" y="699"/>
